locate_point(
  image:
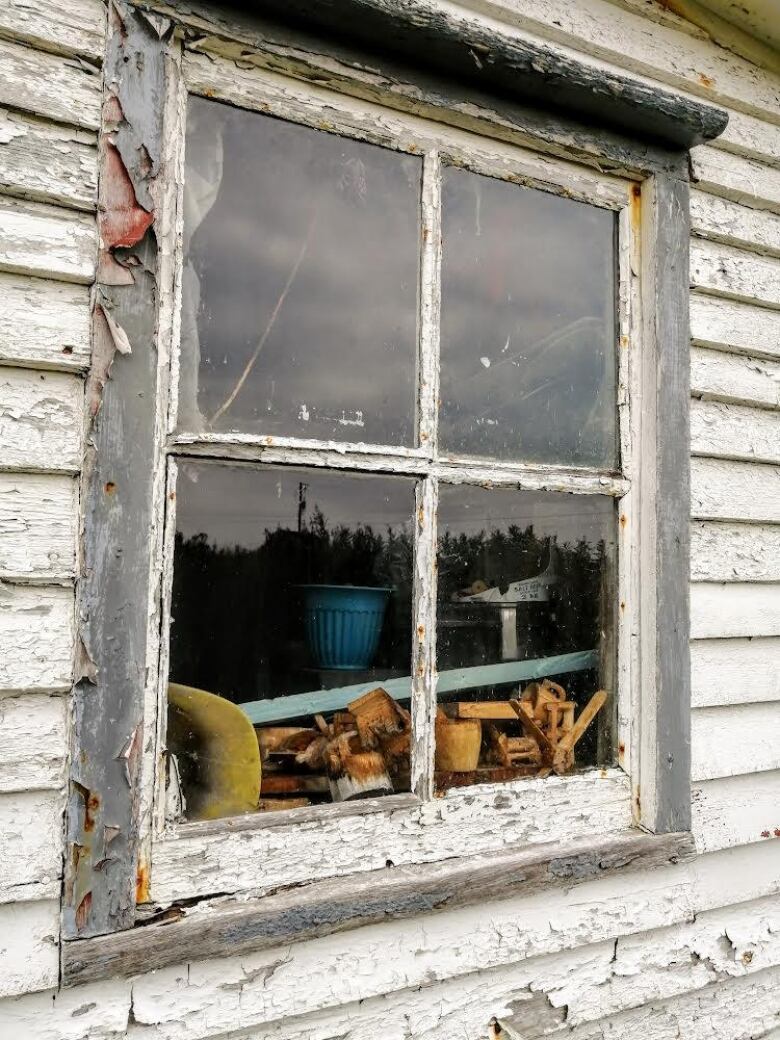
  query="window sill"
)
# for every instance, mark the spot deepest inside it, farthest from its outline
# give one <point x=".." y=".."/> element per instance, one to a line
<point x="228" y="926"/>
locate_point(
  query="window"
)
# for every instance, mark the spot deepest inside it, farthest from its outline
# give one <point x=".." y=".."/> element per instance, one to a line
<point x="329" y="285"/>
<point x="383" y="540"/>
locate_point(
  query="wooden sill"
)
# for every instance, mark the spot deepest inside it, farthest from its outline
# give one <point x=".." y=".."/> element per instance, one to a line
<point x="227" y="926"/>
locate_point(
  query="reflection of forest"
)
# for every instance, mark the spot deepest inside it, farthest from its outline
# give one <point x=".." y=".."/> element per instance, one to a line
<point x="238" y="624"/>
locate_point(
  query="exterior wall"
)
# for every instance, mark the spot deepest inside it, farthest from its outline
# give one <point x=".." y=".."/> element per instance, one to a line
<point x="691" y="951"/>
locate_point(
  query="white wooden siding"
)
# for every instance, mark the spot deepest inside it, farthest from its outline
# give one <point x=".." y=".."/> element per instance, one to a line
<point x="37" y="527"/>
<point x="691" y="951"/>
<point x="47" y="163"/>
<point x="735" y="671"/>
<point x="40" y="421"/>
<point x="44" y="324"/>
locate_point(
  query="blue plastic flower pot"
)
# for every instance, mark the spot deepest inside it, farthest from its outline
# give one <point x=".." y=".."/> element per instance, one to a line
<point x="344" y="623"/>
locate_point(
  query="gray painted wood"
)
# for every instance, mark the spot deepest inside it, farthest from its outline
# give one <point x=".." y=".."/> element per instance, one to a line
<point x="671" y="231"/>
<point x="102" y="813"/>
<point x="325" y="907"/>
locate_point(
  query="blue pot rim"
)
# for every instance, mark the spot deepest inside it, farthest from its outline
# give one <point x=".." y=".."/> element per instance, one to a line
<point x="347" y="588"/>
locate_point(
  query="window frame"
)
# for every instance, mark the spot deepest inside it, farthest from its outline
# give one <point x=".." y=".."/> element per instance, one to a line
<point x="651" y="790"/>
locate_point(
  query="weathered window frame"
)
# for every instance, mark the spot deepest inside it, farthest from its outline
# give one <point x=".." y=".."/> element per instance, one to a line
<point x="116" y="827"/>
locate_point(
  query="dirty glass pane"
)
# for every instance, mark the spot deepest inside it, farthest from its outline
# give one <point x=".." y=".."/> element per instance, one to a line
<point x="299" y="310"/>
<point x="526" y="599"/>
<point x="528" y="324"/>
<point x="291" y="602"/>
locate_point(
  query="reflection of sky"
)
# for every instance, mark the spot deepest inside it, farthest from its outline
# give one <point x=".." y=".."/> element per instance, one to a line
<point x="528" y="328"/>
<point x="234" y="505"/>
<point x="469" y="510"/>
<point x="340" y="359"/>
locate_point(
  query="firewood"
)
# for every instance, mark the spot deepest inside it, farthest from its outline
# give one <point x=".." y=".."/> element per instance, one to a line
<point x="377" y="715"/>
<point x="360" y="775"/>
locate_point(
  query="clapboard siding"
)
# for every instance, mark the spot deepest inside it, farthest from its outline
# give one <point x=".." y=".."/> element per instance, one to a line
<point x="738" y="327"/>
<point x="735" y="552"/>
<point x="65" y="90"/>
<point x="31" y="825"/>
<point x="37" y="636"/>
<point x="718" y="376"/>
<point x="38" y="526"/>
<point x="735" y="671"/>
<point x="44" y="324"/>
<point x="47" y="163"/>
<point x="730" y="741"/>
<point x="29" y="951"/>
<point x="40" y="420"/>
<point x="47" y="241"/>
<point x="721" y="611"/>
<point x="611" y="973"/>
<point x="735" y="273"/>
<point x="754" y="184"/>
<point x="724" y="490"/>
<point x="76" y="27"/>
<point x="736" y="810"/>
<point x="734" y="431"/>
<point x="722" y="221"/>
<point x="33" y="742"/>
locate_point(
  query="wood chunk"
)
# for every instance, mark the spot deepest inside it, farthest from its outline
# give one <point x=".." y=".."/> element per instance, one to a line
<point x="377" y="715"/>
<point x="294" y="784"/>
<point x="500" y="710"/>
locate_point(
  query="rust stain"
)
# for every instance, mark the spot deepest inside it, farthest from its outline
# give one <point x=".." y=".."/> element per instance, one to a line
<point x="421" y="631"/>
<point x="766" y="834"/>
<point x="747" y="957"/>
<point x="420" y="515"/>
<point x="635" y="206"/>
<point x="623" y="519"/>
<point x="82" y="911"/>
<point x="110" y="487"/>
<point x="91" y="807"/>
<point x="706" y="81"/>
<point x="67" y="350"/>
<point x="172" y="496"/>
<point x="622" y="604"/>
<point x="142" y="883"/>
<point x="777" y="832"/>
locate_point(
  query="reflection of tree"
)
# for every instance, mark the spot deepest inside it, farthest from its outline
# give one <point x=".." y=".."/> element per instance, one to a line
<point x="237" y="612"/>
<point x="571" y="620"/>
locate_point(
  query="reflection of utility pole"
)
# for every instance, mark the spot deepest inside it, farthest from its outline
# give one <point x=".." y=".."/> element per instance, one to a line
<point x="302" y="489"/>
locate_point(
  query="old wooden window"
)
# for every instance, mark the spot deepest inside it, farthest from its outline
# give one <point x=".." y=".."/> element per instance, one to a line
<point x="430" y="342"/>
<point x="408" y="448"/>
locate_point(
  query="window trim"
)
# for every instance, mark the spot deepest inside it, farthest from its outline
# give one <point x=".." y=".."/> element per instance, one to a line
<point x="107" y="863"/>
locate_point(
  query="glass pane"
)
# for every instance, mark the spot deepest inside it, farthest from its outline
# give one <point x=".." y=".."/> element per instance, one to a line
<point x="287" y="610"/>
<point x="528" y="324"/>
<point x="300" y="281"/>
<point x="526" y="600"/>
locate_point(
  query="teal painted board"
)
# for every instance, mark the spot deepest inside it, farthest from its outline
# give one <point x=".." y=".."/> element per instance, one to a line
<point x="318" y="701"/>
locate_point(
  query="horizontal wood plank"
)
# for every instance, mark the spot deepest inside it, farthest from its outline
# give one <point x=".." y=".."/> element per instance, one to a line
<point x="37" y="637"/>
<point x="737" y="810"/>
<point x="751" y="137"/>
<point x="721" y="220"/>
<point x="31" y="825"/>
<point x="734" y="431"/>
<point x="44" y="324"/>
<point x="66" y="90"/>
<point x="29" y="956"/>
<point x="735" y="273"/>
<point x="326" y="907"/>
<point x="38" y="527"/>
<point x="741" y="491"/>
<point x="259" y="855"/>
<point x="33" y="742"/>
<point x="77" y="27"/>
<point x="47" y="241"/>
<point x="722" y="611"/>
<point x="734" y="671"/>
<point x="47" y="163"/>
<point x="738" y="327"/>
<point x="735" y="740"/>
<point x="736" y="379"/>
<point x="735" y="552"/>
<point x="609" y="950"/>
<point x="744" y="181"/>
<point x="41" y="416"/>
